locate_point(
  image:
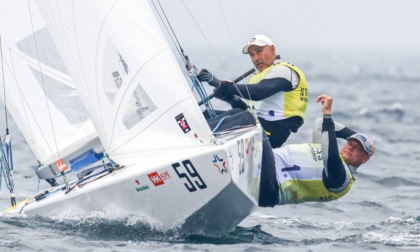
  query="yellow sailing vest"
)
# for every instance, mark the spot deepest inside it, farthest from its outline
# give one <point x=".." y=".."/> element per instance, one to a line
<point x="283" y="104"/>
<point x="294" y="192"/>
<point x="302" y="181"/>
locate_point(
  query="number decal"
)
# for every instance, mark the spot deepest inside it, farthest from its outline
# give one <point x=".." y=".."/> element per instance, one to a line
<point x="241" y="155"/>
<point x="190" y="186"/>
<point x="187" y="164"/>
<point x="319" y="153"/>
<point x="304" y="94"/>
<point x="191" y="177"/>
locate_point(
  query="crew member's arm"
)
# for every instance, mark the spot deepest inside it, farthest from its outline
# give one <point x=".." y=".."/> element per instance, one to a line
<point x="279" y="78"/>
<point x="262" y="90"/>
<point x="341" y="131"/>
<point x="334" y="173"/>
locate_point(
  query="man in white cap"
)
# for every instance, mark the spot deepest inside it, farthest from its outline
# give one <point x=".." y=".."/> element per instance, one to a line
<point x="318" y="171"/>
<point x="278" y="92"/>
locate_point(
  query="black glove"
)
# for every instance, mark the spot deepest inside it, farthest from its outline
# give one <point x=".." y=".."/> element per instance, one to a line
<point x="205" y="75"/>
<point x="234" y="101"/>
<point x="222" y="95"/>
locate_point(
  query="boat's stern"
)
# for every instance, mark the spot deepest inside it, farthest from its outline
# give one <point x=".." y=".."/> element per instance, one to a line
<point x="238" y="157"/>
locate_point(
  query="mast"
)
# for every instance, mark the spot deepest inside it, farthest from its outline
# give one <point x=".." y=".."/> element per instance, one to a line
<point x="191" y="69"/>
<point x="6" y="158"/>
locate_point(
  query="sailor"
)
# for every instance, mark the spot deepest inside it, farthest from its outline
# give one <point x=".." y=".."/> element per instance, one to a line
<point x="278" y="92"/>
<point x="318" y="171"/>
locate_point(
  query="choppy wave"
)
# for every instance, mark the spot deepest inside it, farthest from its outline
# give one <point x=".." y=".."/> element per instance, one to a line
<point x="125" y="230"/>
<point x="396" y="181"/>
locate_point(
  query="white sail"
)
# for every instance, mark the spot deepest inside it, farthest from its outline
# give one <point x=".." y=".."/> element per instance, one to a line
<point x="171" y="170"/>
<point x="39" y="93"/>
<point x="130" y="82"/>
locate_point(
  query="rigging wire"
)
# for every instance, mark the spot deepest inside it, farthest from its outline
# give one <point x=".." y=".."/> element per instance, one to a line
<point x="192" y="70"/>
<point x="205" y="99"/>
<point x="6" y="158"/>
<point x="47" y="99"/>
<point x="225" y="23"/>
<point x="172" y="35"/>
<point x="202" y="33"/>
<point x="4" y="86"/>
<point x="42" y="79"/>
<point x="250" y="102"/>
<point x="230" y="39"/>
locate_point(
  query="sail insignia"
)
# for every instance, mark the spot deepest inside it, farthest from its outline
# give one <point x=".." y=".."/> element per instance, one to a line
<point x="139" y="107"/>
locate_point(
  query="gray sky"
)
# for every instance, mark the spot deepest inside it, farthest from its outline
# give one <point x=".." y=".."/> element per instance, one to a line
<point x="365" y="24"/>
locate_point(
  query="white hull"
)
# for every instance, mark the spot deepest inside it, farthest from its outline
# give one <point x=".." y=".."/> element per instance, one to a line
<point x="204" y="198"/>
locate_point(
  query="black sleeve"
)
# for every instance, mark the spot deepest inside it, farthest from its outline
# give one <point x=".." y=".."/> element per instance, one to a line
<point x="269" y="187"/>
<point x="345" y="132"/>
<point x="334" y="173"/>
<point x="260" y="91"/>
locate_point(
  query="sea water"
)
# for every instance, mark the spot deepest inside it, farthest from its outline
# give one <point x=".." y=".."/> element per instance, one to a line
<point x="376" y="93"/>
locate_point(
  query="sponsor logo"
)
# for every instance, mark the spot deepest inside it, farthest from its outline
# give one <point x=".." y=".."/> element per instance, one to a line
<point x="360" y="137"/>
<point x="182" y="122"/>
<point x="117" y="79"/>
<point x="316" y="152"/>
<point x="230" y="157"/>
<point x="165" y="175"/>
<point x="156" y="179"/>
<point x="220" y="164"/>
<point x="140" y="188"/>
<point x="249" y="143"/>
<point x="61" y="165"/>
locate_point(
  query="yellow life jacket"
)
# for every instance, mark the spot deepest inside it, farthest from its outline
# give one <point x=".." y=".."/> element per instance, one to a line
<point x="282" y="105"/>
<point x="305" y="184"/>
<point x="294" y="192"/>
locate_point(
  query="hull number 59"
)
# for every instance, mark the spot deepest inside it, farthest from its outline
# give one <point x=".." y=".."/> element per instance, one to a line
<point x="193" y="179"/>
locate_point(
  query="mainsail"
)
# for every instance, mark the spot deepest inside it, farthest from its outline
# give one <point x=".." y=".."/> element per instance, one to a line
<point x="39" y="92"/>
<point x="130" y="82"/>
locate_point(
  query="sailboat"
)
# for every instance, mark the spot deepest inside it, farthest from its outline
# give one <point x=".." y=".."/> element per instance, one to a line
<point x="141" y="145"/>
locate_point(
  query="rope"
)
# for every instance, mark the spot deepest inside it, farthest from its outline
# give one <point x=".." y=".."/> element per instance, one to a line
<point x="219" y="123"/>
<point x="6" y="167"/>
<point x="202" y="92"/>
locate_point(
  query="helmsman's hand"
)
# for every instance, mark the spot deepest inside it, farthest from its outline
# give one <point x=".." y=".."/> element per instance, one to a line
<point x="205" y="75"/>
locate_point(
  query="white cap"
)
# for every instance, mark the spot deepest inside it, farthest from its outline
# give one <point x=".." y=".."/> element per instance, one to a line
<point x="258" y="40"/>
